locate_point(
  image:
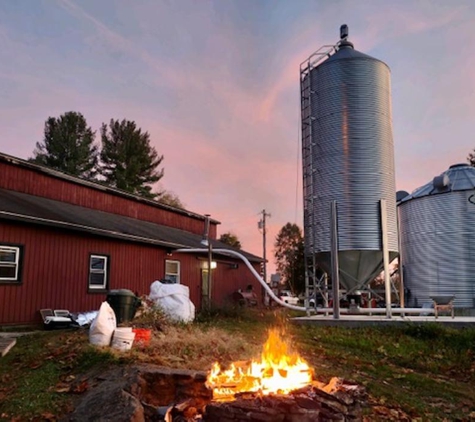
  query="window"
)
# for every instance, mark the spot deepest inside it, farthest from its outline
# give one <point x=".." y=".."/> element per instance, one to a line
<point x="98" y="272"/>
<point x="172" y="271"/>
<point x="10" y="263"/>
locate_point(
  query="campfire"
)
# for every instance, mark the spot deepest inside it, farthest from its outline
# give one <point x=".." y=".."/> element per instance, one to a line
<point x="278" y="371"/>
<point x="277" y="387"/>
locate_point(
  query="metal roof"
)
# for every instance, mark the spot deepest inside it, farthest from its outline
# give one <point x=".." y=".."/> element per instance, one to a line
<point x="346" y="51"/>
<point x="97" y="186"/>
<point x="458" y="177"/>
<point x="16" y="206"/>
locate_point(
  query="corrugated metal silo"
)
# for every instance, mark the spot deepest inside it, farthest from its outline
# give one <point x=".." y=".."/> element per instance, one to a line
<point x="437" y="229"/>
<point x="348" y="156"/>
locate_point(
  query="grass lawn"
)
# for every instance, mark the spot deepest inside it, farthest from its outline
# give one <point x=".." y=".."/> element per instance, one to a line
<point x="411" y="373"/>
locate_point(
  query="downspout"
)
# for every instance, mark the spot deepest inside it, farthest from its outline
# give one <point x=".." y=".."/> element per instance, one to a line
<point x="253" y="271"/>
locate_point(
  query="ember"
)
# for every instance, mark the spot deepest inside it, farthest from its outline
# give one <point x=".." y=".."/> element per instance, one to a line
<point x="279" y="371"/>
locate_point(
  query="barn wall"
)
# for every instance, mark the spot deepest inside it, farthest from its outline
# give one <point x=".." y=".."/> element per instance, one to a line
<point x="55" y="272"/>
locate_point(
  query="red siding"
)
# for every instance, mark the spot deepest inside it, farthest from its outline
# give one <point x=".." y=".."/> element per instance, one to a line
<point x="26" y="180"/>
<point x="55" y="272"/>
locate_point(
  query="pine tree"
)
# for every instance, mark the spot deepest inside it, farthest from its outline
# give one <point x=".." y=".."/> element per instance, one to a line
<point x="128" y="161"/>
<point x="68" y="146"/>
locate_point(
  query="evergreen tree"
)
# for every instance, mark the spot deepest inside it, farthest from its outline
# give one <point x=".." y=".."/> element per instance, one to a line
<point x="128" y="161"/>
<point x="230" y="239"/>
<point x="289" y="257"/>
<point x="68" y="146"/>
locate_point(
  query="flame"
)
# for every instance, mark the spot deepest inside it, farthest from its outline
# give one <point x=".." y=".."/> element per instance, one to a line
<point x="279" y="371"/>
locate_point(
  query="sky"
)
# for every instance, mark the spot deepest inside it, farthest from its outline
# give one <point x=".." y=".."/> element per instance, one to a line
<point x="216" y="85"/>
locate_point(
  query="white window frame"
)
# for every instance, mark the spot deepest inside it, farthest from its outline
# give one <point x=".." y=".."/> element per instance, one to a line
<point x="15" y="264"/>
<point x="177" y="274"/>
<point x="102" y="286"/>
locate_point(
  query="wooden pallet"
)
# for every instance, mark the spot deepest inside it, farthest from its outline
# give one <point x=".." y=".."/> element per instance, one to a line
<point x="6" y="344"/>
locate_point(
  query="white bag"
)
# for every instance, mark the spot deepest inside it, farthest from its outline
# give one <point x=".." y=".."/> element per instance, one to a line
<point x="103" y="326"/>
<point x="174" y="300"/>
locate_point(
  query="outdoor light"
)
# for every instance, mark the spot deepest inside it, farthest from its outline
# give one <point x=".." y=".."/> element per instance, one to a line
<point x="204" y="265"/>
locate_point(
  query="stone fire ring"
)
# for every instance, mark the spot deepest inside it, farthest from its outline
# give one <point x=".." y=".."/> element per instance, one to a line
<point x="138" y="393"/>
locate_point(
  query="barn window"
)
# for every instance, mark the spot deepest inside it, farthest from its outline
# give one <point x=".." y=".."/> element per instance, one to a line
<point x="98" y="272"/>
<point x="10" y="263"/>
<point x="172" y="271"/>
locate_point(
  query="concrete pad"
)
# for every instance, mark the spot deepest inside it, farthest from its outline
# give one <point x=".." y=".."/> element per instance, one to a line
<point x="376" y="320"/>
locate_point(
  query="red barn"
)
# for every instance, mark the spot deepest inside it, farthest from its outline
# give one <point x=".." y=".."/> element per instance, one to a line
<point x="64" y="242"/>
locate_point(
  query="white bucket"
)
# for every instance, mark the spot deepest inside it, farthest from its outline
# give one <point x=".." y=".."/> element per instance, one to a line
<point x="124" y="329"/>
<point x="123" y="339"/>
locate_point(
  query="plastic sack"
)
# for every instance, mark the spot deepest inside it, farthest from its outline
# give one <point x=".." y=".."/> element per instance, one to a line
<point x="174" y="300"/>
<point x="103" y="326"/>
<point x="85" y="318"/>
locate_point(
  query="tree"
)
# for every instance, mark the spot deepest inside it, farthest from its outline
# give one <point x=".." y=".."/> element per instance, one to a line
<point x="170" y="198"/>
<point x="289" y="257"/>
<point x="128" y="161"/>
<point x="68" y="146"/>
<point x="471" y="158"/>
<point x="230" y="239"/>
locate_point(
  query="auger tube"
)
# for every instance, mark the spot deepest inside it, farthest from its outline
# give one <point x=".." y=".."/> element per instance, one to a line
<point x="253" y="271"/>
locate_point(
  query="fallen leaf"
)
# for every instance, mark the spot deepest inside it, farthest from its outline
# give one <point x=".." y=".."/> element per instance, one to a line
<point x="81" y="388"/>
<point x="62" y="388"/>
<point x="48" y="416"/>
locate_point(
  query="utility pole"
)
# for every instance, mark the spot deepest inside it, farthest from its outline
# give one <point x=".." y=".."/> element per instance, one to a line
<point x="262" y="226"/>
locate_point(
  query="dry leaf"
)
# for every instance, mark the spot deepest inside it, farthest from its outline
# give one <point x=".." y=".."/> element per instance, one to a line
<point x="48" y="417"/>
<point x="62" y="388"/>
<point x="81" y="388"/>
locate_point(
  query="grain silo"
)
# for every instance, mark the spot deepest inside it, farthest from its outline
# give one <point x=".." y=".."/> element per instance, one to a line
<point x="347" y="157"/>
<point x="437" y="229"/>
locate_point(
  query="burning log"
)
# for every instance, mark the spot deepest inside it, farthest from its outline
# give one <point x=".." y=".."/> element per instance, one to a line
<point x="341" y="402"/>
<point x="279" y="370"/>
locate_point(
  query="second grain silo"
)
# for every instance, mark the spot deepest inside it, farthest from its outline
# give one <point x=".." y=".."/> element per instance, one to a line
<point x="437" y="226"/>
<point x="348" y="157"/>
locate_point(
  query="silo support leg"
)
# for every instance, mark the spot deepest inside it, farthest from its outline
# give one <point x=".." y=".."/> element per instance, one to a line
<point x="384" y="238"/>
<point x="334" y="260"/>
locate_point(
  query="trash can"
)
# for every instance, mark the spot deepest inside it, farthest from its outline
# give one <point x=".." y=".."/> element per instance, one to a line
<point x="124" y="303"/>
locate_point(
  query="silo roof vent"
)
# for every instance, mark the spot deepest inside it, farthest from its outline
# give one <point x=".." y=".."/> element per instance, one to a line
<point x="344" y="43"/>
<point x="441" y="182"/>
<point x="343" y="32"/>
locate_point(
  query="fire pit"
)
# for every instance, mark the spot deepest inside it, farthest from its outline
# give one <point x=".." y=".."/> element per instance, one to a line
<point x="278" y="387"/>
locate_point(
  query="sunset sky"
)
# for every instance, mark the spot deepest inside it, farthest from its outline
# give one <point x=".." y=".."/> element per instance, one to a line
<point x="216" y="85"/>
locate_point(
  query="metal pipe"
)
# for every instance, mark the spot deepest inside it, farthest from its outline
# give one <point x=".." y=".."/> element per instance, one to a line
<point x="363" y="311"/>
<point x="206" y="284"/>
<point x="210" y="271"/>
<point x="251" y="268"/>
